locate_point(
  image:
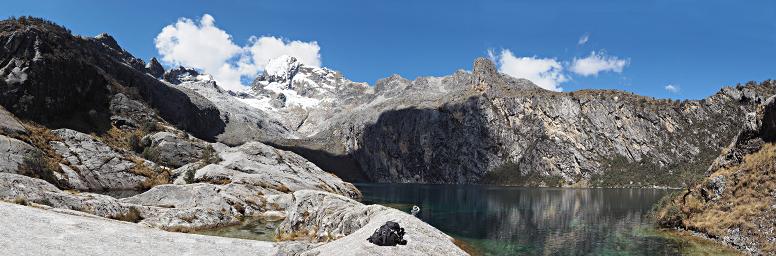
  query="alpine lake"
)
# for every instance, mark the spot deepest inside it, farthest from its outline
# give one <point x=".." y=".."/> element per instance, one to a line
<point x="502" y="220"/>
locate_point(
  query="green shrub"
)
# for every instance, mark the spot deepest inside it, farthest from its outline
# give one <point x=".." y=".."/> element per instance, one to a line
<point x="189" y="178"/>
<point x="39" y="166"/>
<point x="210" y="156"/>
<point x="151" y="154"/>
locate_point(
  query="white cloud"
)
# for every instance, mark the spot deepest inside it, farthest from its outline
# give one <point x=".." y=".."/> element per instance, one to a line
<point x="596" y="63"/>
<point x="672" y="88"/>
<point x="583" y="39"/>
<point x="210" y="49"/>
<point x="544" y="72"/>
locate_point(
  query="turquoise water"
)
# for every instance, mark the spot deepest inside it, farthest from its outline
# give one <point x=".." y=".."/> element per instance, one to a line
<point x="499" y="220"/>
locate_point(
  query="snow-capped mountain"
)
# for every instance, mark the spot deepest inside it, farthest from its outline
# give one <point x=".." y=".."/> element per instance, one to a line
<point x="301" y="96"/>
<point x="287" y="83"/>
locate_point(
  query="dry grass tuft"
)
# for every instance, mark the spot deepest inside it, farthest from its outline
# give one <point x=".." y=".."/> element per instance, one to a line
<point x="155" y="176"/>
<point x="745" y="204"/>
<point x="132" y="215"/>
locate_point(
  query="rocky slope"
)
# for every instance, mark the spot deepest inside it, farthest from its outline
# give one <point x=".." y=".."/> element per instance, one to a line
<point x="736" y="203"/>
<point x="63" y="81"/>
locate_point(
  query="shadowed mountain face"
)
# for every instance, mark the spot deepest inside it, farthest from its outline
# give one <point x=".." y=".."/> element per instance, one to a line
<point x="496" y="129"/>
<point x="52" y="77"/>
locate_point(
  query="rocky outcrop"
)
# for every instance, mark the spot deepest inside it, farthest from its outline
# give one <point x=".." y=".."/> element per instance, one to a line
<point x="321" y="216"/>
<point x="180" y="74"/>
<point x="736" y="203"/>
<point x="213" y="190"/>
<point x="96" y="166"/>
<point x="154" y="68"/>
<point x="254" y="181"/>
<point x="171" y="150"/>
<point x="59" y="80"/>
<point x="13" y="153"/>
<point x="130" y="114"/>
<point x="9" y="125"/>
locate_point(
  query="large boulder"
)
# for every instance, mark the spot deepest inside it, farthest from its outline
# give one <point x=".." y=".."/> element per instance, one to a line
<point x="257" y="163"/>
<point x="25" y="190"/>
<point x="13" y="152"/>
<point x="321" y="216"/>
<point x="173" y="150"/>
<point x="9" y="125"/>
<point x="129" y="113"/>
<point x="98" y="166"/>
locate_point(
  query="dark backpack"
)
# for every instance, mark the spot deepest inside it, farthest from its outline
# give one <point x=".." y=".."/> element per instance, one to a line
<point x="389" y="234"/>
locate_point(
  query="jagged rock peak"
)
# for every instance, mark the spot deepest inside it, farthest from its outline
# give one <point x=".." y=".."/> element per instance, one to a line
<point x="108" y="40"/>
<point x="281" y="69"/>
<point x="484" y="74"/>
<point x="155" y="68"/>
<point x="180" y="74"/>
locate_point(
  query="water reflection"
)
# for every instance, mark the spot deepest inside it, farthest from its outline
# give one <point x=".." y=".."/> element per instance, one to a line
<point x="535" y="221"/>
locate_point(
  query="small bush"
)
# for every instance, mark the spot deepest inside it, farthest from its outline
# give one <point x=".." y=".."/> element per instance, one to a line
<point x="20" y="200"/>
<point x="155" y="176"/>
<point x="132" y="215"/>
<point x="189" y="176"/>
<point x="667" y="213"/>
<point x="210" y="156"/>
<point x="149" y="127"/>
<point x="151" y="154"/>
<point x="135" y="144"/>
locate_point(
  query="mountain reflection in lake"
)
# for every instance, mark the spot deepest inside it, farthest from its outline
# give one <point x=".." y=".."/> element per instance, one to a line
<point x="534" y="221"/>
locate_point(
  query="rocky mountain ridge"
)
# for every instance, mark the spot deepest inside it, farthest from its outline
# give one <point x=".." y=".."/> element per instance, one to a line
<point x="483" y="126"/>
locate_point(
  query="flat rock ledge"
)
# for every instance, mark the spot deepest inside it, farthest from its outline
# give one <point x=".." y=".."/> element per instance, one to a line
<point x="33" y="231"/>
<point x="320" y="216"/>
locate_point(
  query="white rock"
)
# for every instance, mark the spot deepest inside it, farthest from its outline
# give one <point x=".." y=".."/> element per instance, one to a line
<point x="32" y="231"/>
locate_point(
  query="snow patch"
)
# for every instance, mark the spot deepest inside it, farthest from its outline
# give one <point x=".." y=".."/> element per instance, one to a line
<point x="282" y="67"/>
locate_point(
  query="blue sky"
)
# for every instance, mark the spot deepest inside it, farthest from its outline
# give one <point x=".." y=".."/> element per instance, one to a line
<point x="696" y="46"/>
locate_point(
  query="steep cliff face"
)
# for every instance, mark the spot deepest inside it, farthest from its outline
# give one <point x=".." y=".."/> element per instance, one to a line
<point x="487" y="127"/>
<point x="63" y="81"/>
<point x="736" y="203"/>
